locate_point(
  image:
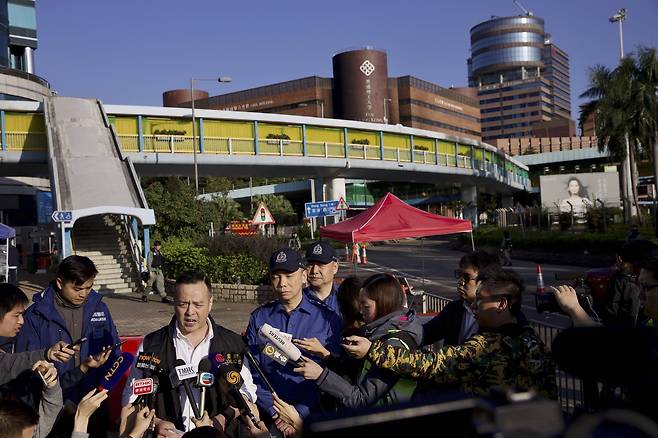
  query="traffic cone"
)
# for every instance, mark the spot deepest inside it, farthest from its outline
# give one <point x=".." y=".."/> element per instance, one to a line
<point x="364" y="257"/>
<point x="540" y="281"/>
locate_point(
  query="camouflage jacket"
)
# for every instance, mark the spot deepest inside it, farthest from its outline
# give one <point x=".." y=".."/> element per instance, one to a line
<point x="512" y="357"/>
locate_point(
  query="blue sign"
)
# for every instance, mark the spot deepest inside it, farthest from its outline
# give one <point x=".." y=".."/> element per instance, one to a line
<point x="319" y="209"/>
<point x="62" y="216"/>
<point x="44" y="207"/>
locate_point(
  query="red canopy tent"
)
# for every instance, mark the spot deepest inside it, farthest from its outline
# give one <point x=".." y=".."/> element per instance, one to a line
<point x="392" y="218"/>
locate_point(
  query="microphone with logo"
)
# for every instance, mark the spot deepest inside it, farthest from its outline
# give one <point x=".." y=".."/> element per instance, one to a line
<point x="146" y="389"/>
<point x="230" y="382"/>
<point x="149" y="364"/>
<point x="113" y="374"/>
<point x="204" y="379"/>
<point x="182" y="375"/>
<point x="279" y="345"/>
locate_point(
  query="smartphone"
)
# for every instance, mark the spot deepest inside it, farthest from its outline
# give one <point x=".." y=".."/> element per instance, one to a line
<point x="77" y="342"/>
<point x="115" y="346"/>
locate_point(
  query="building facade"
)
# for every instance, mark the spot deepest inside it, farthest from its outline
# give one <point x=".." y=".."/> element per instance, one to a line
<point x="521" y="77"/>
<point x="359" y="90"/>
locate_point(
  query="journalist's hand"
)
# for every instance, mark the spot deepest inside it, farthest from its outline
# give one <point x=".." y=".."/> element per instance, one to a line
<point x="287" y="412"/>
<point x="47" y="371"/>
<point x="87" y="406"/>
<point x="309" y="369"/>
<point x="568" y="301"/>
<point x="312" y="345"/>
<point x="61" y="353"/>
<point x="356" y="346"/>
<point x="96" y="361"/>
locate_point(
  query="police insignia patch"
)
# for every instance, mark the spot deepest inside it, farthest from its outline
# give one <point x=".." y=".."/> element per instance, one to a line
<point x="281" y="257"/>
<point x="317" y="250"/>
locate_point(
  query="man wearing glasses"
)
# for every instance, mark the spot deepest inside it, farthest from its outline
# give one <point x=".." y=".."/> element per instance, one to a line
<point x="504" y="354"/>
<point x="456" y="323"/>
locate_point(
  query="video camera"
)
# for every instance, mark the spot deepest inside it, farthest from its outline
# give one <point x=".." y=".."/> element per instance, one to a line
<point x="546" y="302"/>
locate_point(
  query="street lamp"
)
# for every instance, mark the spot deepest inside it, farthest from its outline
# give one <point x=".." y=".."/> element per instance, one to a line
<point x="619" y="17"/>
<point x="194" y="144"/>
<point x="385" y="118"/>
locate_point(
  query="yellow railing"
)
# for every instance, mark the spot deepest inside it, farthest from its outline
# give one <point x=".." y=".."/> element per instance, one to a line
<point x="129" y="143"/>
<point x="26" y="141"/>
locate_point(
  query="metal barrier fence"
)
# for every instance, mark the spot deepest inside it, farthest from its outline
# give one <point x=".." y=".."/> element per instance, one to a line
<point x="571" y="390"/>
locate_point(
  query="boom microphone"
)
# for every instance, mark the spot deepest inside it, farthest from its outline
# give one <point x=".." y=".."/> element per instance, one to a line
<point x="184" y="373"/>
<point x="115" y="372"/>
<point x="281" y="341"/>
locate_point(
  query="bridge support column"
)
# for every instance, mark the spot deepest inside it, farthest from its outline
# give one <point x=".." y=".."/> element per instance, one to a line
<point x="470" y="200"/>
<point x="336" y="191"/>
<point x="147" y="241"/>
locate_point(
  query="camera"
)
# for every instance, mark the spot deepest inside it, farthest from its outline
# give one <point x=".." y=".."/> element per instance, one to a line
<point x="547" y="302"/>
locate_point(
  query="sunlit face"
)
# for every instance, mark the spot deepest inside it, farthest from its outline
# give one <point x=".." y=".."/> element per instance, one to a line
<point x="367" y="307"/>
<point x="487" y="309"/>
<point x="467" y="283"/>
<point x="12" y="322"/>
<point x="288" y="285"/>
<point x="320" y="275"/>
<point x="192" y="306"/>
<point x="574" y="187"/>
<point x="74" y="293"/>
<point x="648" y="293"/>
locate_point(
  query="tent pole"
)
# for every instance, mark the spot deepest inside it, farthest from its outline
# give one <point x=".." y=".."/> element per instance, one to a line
<point x="472" y="241"/>
<point x="422" y="262"/>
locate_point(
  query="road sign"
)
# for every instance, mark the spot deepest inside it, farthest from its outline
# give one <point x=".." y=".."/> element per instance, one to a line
<point x="342" y="205"/>
<point x="263" y="216"/>
<point x="319" y="209"/>
<point x="62" y="216"/>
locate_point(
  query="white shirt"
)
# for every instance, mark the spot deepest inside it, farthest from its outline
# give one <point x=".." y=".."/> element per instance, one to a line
<point x="193" y="355"/>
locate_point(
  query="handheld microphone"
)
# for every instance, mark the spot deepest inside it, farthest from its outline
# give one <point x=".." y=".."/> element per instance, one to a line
<point x="204" y="379"/>
<point x="115" y="371"/>
<point x="281" y="341"/>
<point x="233" y="381"/>
<point x="184" y="373"/>
<point x="258" y="369"/>
<point x="148" y="362"/>
<point x="150" y="432"/>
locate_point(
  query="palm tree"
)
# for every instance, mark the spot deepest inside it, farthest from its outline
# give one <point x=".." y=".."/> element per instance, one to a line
<point x="610" y="106"/>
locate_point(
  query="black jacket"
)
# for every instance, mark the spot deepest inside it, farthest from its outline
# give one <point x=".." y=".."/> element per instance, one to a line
<point x="446" y="325"/>
<point x="160" y="342"/>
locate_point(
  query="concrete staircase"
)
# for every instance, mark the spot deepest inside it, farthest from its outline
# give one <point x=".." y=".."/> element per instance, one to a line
<point x="103" y="240"/>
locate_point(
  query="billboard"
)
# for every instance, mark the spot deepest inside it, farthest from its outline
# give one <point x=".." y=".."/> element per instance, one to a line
<point x="579" y="190"/>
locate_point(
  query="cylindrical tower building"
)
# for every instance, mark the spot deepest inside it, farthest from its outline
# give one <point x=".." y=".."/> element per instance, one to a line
<point x="505" y="49"/>
<point x="361" y="85"/>
<point x="177" y="97"/>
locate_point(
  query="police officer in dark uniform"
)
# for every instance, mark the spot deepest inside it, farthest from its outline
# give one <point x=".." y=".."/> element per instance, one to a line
<point x="321" y="268"/>
<point x="156" y="263"/>
<point x="295" y="314"/>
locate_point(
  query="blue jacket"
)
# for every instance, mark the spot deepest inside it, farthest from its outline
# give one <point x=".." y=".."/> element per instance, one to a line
<point x="308" y="320"/>
<point x="44" y="326"/>
<point x="331" y="301"/>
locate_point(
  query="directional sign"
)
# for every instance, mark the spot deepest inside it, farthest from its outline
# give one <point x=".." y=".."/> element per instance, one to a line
<point x="342" y="205"/>
<point x="319" y="209"/>
<point x="263" y="215"/>
<point x="62" y="216"/>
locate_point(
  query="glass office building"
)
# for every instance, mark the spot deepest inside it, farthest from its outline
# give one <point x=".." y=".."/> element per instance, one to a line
<point x="522" y="78"/>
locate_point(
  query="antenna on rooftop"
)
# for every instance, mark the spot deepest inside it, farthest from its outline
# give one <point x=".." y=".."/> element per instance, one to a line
<point x="524" y="10"/>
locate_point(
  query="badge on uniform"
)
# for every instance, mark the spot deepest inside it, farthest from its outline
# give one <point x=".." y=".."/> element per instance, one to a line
<point x="271" y="351"/>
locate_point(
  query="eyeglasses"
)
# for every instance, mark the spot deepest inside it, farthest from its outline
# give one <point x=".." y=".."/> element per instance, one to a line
<point x="480" y="299"/>
<point x="461" y="275"/>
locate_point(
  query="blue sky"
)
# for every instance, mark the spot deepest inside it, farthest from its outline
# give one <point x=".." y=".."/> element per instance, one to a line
<point x="130" y="51"/>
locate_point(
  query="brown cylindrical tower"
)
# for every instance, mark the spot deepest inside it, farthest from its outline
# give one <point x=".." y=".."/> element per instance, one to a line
<point x="180" y="96"/>
<point x="360" y="85"/>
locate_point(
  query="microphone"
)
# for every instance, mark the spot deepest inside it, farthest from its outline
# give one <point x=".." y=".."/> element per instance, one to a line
<point x="113" y="374"/>
<point x="233" y="381"/>
<point x="182" y="375"/>
<point x="148" y="362"/>
<point x="281" y="341"/>
<point x="258" y="369"/>
<point x="205" y="379"/>
<point x="150" y="432"/>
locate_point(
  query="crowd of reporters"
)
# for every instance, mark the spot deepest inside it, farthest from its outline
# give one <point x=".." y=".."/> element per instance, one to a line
<point x="316" y="348"/>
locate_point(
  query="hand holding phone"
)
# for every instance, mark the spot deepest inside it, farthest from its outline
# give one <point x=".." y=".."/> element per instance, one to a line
<point x="115" y="346"/>
<point x="77" y="342"/>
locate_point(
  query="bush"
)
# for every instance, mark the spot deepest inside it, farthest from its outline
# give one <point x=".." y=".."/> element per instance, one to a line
<point x="258" y="246"/>
<point x="183" y="255"/>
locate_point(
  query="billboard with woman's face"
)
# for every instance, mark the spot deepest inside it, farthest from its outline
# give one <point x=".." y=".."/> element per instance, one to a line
<point x="579" y="191"/>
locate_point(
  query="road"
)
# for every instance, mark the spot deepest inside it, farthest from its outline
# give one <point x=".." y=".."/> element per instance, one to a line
<point x="430" y="265"/>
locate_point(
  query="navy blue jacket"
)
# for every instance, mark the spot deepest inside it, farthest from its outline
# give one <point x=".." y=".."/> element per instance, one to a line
<point x="331" y="301"/>
<point x="44" y="326"/>
<point x="309" y="320"/>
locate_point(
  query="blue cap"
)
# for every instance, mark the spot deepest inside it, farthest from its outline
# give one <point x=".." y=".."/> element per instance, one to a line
<point x="321" y="252"/>
<point x="287" y="260"/>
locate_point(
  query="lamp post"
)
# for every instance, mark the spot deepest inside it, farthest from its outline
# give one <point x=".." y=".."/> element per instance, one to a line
<point x="619" y="17"/>
<point x="385" y="118"/>
<point x="194" y="144"/>
<point x="322" y="109"/>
